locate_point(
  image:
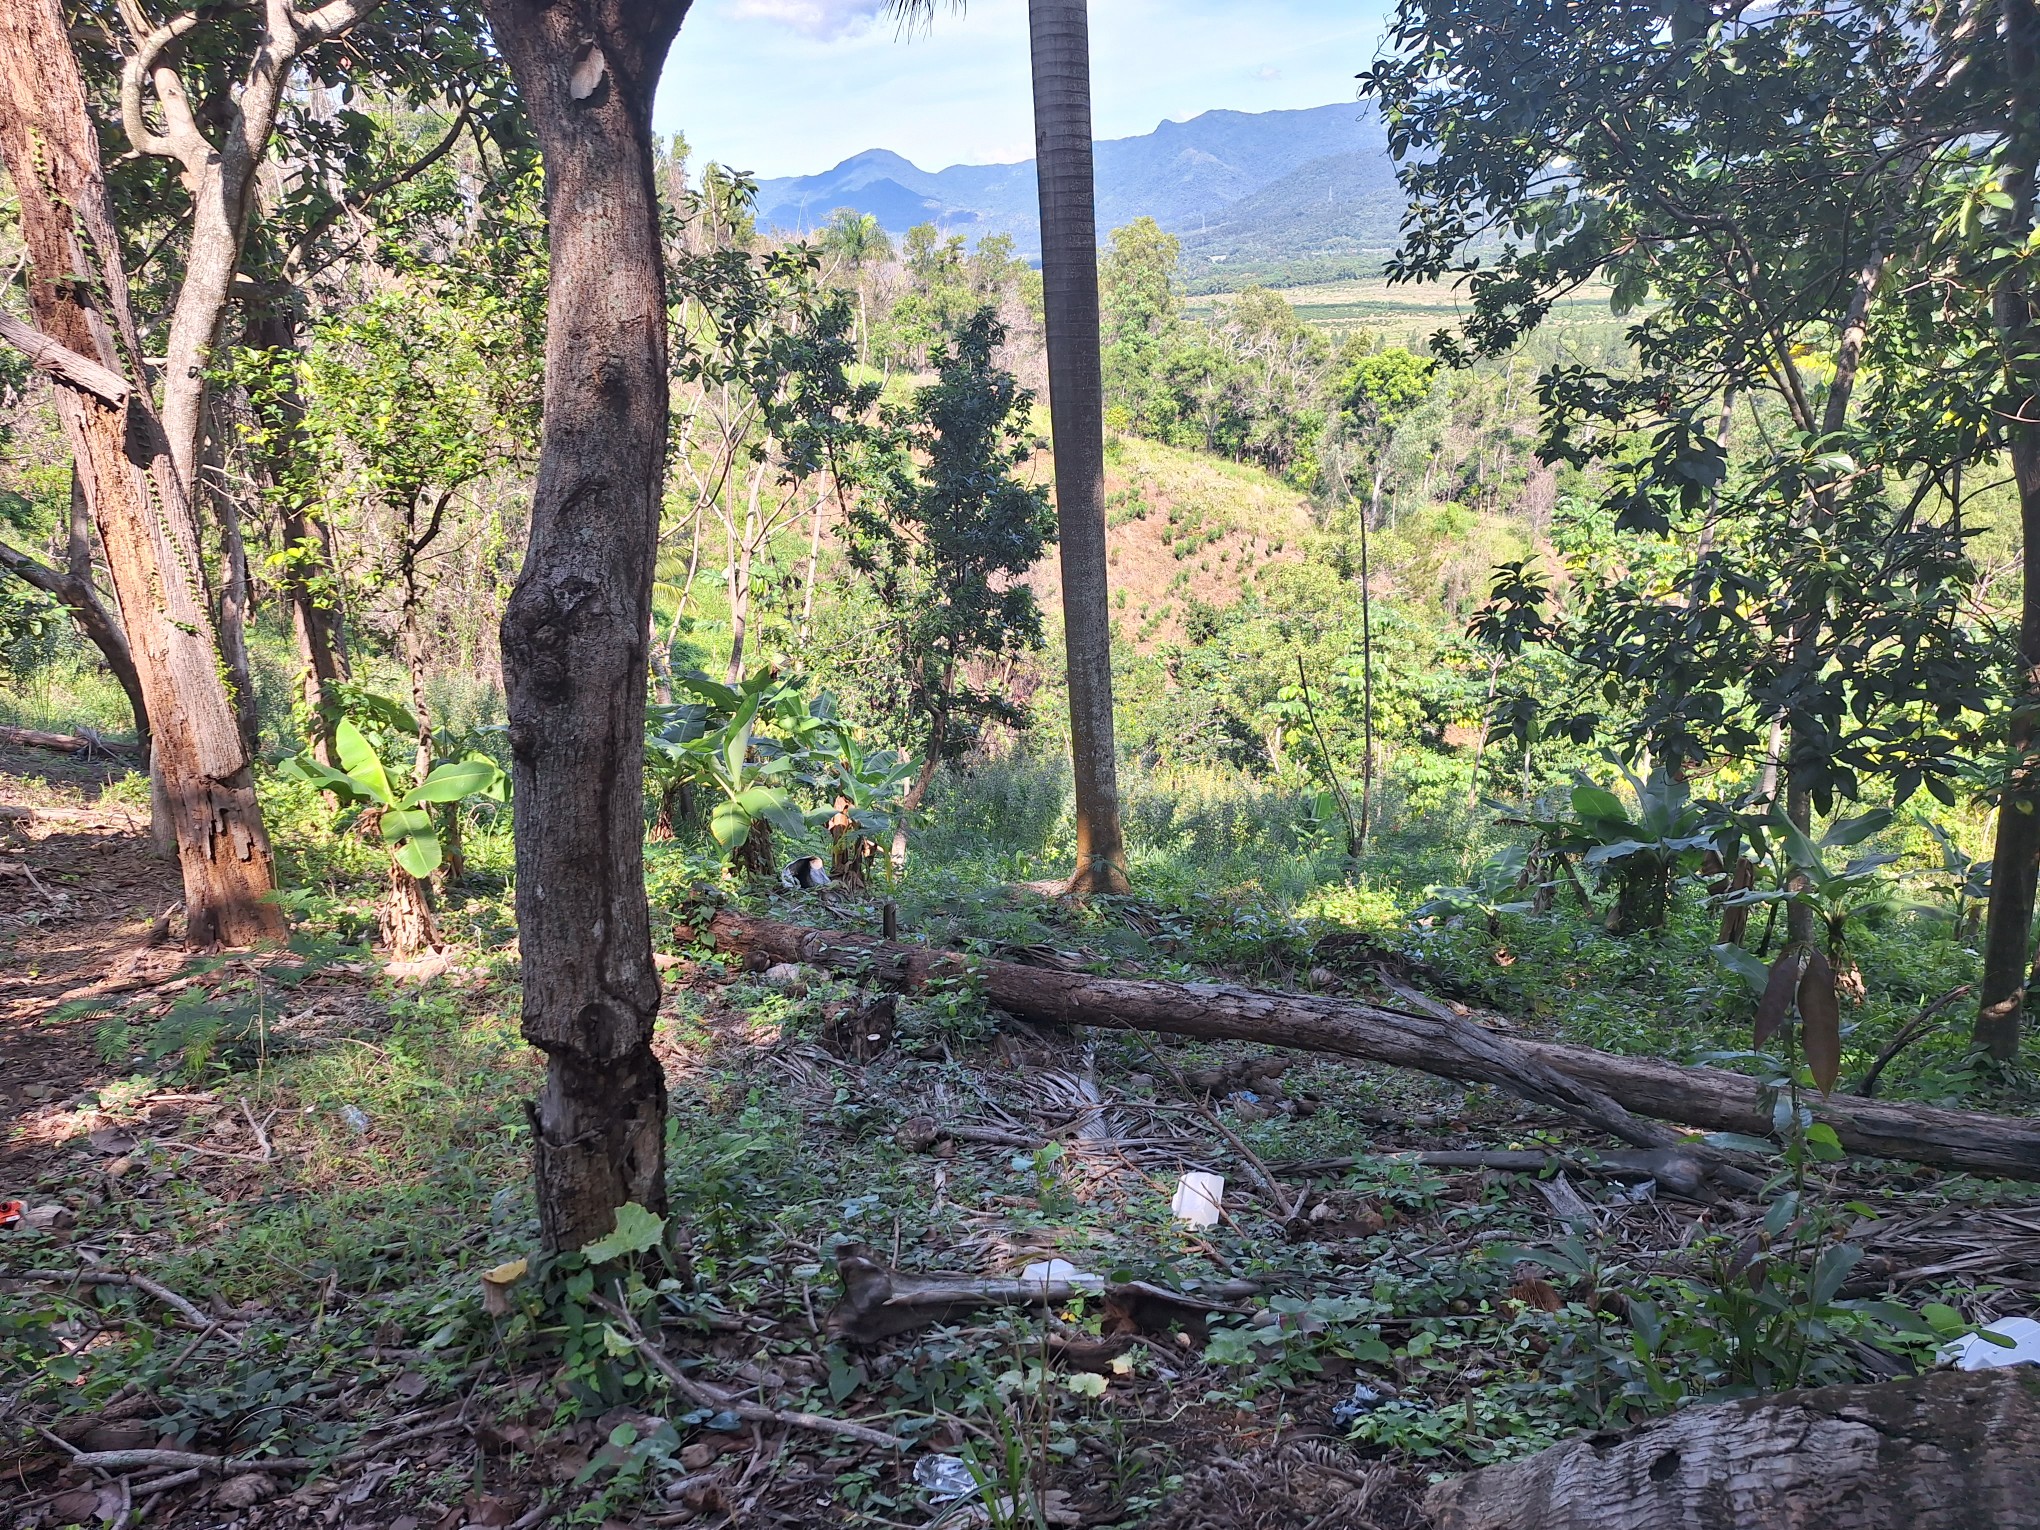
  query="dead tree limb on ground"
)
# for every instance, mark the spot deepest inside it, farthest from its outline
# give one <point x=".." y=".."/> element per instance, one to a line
<point x="1609" y="1092"/>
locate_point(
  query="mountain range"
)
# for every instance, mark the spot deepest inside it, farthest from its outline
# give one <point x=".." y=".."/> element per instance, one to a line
<point x="1243" y="190"/>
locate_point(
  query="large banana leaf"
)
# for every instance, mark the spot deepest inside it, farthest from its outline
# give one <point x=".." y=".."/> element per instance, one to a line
<point x="362" y="765"/>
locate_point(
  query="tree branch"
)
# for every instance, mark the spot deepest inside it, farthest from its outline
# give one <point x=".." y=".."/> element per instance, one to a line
<point x="63" y="363"/>
<point x="182" y="141"/>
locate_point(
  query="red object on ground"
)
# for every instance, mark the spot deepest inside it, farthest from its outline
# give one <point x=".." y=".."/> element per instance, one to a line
<point x="10" y="1213"/>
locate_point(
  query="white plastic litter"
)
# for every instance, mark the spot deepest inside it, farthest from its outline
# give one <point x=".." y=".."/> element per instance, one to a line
<point x="1044" y="1271"/>
<point x="1198" y="1198"/>
<point x="1973" y="1352"/>
<point x="944" y="1478"/>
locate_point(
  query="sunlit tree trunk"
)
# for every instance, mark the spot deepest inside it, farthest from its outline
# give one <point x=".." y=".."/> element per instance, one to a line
<point x="1059" y="32"/>
<point x="575" y="630"/>
<point x="78" y="295"/>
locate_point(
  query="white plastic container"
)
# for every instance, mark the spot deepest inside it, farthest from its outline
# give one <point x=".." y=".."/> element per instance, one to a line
<point x="1198" y="1198"/>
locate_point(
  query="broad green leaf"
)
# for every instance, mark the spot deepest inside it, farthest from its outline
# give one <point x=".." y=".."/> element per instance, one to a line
<point x="302" y="767"/>
<point x="362" y="764"/>
<point x="419" y="855"/>
<point x="454" y="780"/>
<point x="774" y="806"/>
<point x="1742" y="964"/>
<point x="1592" y="802"/>
<point x="1831" y="1270"/>
<point x="1853" y="831"/>
<point x="403" y="823"/>
<point x="1825" y="1143"/>
<point x="636" y="1231"/>
<point x="730" y="824"/>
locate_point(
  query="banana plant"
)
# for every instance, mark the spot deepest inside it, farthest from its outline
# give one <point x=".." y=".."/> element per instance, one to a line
<point x="405" y="823"/>
<point x="869" y="786"/>
<point x="752" y="783"/>
<point x="671" y="768"/>
<point x="1641" y="853"/>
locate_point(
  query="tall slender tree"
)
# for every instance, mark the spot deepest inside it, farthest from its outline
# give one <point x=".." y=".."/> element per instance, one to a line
<point x="575" y="632"/>
<point x="85" y="334"/>
<point x="1059" y="33"/>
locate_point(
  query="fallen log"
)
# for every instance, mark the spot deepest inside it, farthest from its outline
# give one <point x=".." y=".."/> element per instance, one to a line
<point x="1951" y="1450"/>
<point x="61" y="743"/>
<point x="1601" y="1087"/>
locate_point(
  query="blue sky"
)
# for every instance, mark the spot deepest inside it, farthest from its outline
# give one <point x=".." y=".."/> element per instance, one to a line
<point x="789" y="87"/>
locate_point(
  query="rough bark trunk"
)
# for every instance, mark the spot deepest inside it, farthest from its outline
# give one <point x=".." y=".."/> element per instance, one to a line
<point x="137" y="497"/>
<point x="1059" y="32"/>
<point x="2003" y="1146"/>
<point x="2002" y="993"/>
<point x="1951" y="1450"/>
<point x="404" y="919"/>
<point x="574" y="633"/>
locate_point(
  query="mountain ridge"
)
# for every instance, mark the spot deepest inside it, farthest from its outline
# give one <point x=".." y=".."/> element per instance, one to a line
<point x="1236" y="186"/>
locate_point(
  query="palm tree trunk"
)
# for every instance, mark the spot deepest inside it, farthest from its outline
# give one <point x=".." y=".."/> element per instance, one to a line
<point x="1059" y="31"/>
<point x="575" y="629"/>
<point x="1367" y="669"/>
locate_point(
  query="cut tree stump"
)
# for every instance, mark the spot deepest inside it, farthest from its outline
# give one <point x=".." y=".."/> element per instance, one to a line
<point x="1951" y="1450"/>
<point x="1599" y="1088"/>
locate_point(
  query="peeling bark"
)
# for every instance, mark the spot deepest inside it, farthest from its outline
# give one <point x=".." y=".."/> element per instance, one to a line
<point x="1952" y="1450"/>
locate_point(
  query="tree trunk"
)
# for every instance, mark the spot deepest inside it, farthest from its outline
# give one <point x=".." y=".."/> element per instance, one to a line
<point x="1059" y="31"/>
<point x="233" y="608"/>
<point x="740" y="581"/>
<point x="404" y="919"/>
<point x="220" y="174"/>
<point x="1367" y="669"/>
<point x="814" y="560"/>
<point x="2000" y="1146"/>
<point x="2002" y="992"/>
<point x="938" y="738"/>
<point x="305" y="574"/>
<point x="1950" y="1450"/>
<point x="574" y="632"/>
<point x="137" y="497"/>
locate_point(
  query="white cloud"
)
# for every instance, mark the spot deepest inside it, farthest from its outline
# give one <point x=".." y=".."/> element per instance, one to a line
<point x="1267" y="72"/>
<point x="815" y="18"/>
